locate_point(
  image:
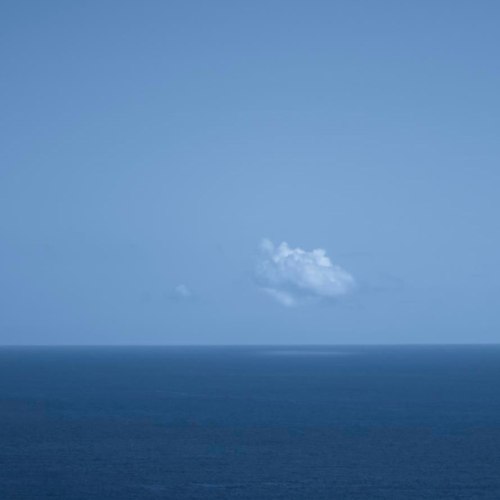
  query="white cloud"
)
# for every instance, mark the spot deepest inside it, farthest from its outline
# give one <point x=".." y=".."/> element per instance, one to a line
<point x="293" y="276"/>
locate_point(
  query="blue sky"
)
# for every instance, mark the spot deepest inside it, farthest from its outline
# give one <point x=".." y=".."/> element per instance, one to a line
<point x="149" y="148"/>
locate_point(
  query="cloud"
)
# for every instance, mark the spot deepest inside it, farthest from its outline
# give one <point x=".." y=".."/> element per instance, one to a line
<point x="182" y="292"/>
<point x="294" y="276"/>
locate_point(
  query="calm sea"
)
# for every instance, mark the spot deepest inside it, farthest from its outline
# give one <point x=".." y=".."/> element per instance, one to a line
<point x="250" y="423"/>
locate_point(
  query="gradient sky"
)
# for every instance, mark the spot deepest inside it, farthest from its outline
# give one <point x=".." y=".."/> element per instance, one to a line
<point x="148" y="147"/>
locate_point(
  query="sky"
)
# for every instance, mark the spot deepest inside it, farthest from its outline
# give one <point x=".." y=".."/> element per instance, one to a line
<point x="249" y="172"/>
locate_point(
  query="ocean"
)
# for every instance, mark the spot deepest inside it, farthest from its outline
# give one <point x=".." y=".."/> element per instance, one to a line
<point x="419" y="422"/>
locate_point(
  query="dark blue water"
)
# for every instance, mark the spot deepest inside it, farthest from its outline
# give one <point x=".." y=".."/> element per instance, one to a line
<point x="250" y="423"/>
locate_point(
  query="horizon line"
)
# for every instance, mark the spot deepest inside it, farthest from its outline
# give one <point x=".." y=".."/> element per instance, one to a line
<point x="380" y="344"/>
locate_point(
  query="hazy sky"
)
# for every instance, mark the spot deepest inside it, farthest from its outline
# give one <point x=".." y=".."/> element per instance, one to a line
<point x="156" y="154"/>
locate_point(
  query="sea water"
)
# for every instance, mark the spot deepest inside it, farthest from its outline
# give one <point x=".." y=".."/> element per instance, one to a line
<point x="250" y="422"/>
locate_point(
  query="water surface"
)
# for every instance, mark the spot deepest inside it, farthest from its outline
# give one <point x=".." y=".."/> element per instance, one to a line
<point x="250" y="422"/>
